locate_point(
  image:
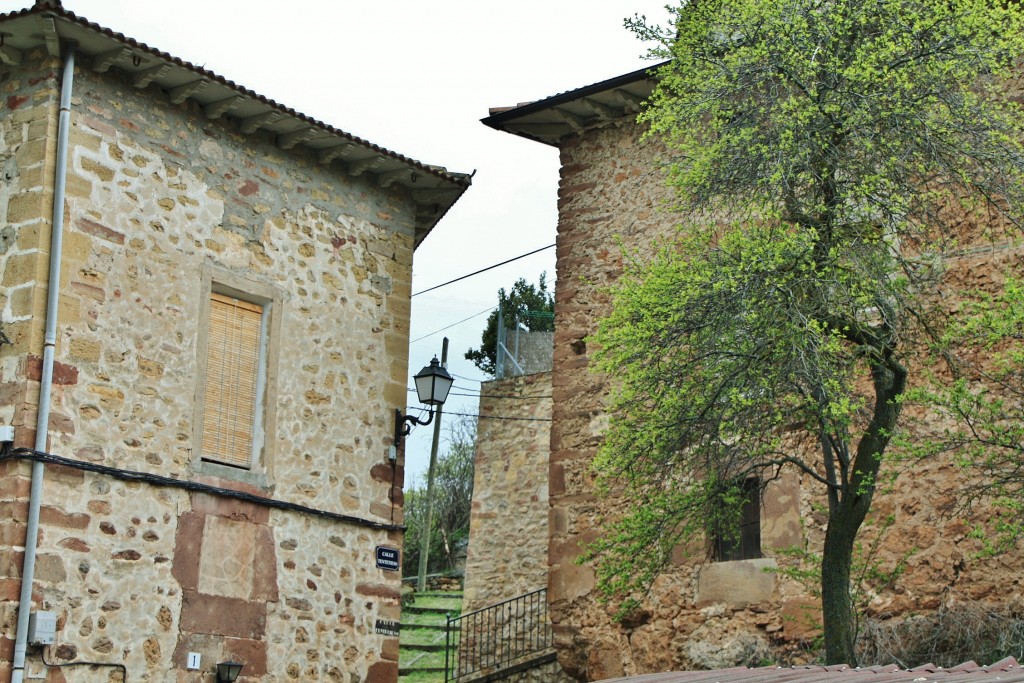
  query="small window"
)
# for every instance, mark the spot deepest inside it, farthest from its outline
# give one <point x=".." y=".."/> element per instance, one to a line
<point x="743" y="543"/>
<point x="235" y="354"/>
<point x="237" y="346"/>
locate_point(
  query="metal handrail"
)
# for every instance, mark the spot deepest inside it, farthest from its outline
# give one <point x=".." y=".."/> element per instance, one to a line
<point x="498" y="636"/>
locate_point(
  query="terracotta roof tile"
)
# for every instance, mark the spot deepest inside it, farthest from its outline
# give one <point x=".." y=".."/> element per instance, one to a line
<point x="1006" y="670"/>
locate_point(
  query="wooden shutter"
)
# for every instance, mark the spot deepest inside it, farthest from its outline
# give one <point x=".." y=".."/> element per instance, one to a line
<point x="232" y="371"/>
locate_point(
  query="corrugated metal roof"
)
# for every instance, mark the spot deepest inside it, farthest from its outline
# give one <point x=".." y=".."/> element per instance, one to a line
<point x="1005" y="671"/>
<point x="434" y="188"/>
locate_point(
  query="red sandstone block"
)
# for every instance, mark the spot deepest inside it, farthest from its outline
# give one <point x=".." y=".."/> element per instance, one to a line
<point x="265" y="566"/>
<point x="6" y="654"/>
<point x="98" y="230"/>
<point x="381" y="472"/>
<point x="13" y="487"/>
<point x="383" y="510"/>
<point x="12" y="533"/>
<point x="75" y="544"/>
<point x="382" y="672"/>
<point x="397" y="496"/>
<point x="389" y="649"/>
<point x="187" y="545"/>
<point x="16" y="511"/>
<point x="25" y="437"/>
<point x="252" y="652"/>
<point x="11" y="392"/>
<point x="231" y="507"/>
<point x="218" y="615"/>
<point x="52" y="516"/>
<point x="378" y="590"/>
<point x="10" y="589"/>
<point x="62" y="373"/>
<point x="556" y="479"/>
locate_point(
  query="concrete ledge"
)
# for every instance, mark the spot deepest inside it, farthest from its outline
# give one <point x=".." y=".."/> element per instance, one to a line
<point x="737" y="584"/>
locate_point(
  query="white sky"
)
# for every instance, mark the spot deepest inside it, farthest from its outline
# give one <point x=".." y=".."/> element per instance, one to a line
<point x="416" y="77"/>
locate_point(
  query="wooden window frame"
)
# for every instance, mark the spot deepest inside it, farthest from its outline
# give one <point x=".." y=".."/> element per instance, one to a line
<point x="219" y="281"/>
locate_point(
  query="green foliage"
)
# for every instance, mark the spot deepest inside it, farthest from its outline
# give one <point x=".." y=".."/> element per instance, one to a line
<point x="453" y="494"/>
<point x="819" y="151"/>
<point x="984" y="410"/>
<point x="531" y="306"/>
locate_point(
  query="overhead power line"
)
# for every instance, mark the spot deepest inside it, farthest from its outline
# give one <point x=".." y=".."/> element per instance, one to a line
<point x="483" y="270"/>
<point x="502" y="417"/>
<point x="446" y="327"/>
<point x="411" y="390"/>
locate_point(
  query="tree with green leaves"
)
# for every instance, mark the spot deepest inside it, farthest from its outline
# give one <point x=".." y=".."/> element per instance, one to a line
<point x="531" y="306"/>
<point x="825" y="155"/>
<point x="453" y="497"/>
<point x="983" y="410"/>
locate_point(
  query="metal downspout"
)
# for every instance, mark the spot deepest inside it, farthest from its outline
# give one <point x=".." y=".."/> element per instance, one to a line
<point x="46" y="378"/>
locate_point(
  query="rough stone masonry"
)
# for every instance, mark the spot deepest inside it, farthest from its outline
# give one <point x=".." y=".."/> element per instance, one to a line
<point x="164" y="203"/>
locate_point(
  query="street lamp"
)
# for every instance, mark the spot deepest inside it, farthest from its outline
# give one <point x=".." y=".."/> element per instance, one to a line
<point x="432" y="386"/>
<point x="228" y="671"/>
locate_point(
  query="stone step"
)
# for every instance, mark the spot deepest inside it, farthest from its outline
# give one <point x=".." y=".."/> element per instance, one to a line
<point x="430" y="627"/>
<point x="436" y="647"/>
<point x="427" y="610"/>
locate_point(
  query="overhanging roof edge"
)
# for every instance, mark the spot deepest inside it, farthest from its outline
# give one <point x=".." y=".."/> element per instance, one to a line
<point x="500" y="120"/>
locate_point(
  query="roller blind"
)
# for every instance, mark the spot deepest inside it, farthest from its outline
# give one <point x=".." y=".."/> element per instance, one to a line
<point x="232" y="371"/>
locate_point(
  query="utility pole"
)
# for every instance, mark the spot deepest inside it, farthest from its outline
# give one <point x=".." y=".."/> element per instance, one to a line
<point x="421" y="579"/>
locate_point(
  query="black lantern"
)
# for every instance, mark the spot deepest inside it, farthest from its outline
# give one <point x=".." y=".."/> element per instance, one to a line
<point x="432" y="386"/>
<point x="228" y="671"/>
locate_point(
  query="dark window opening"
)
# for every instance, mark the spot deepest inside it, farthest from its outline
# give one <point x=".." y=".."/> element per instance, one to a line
<point x="743" y="543"/>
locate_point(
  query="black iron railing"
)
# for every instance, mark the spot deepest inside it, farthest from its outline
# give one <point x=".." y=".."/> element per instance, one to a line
<point x="497" y="638"/>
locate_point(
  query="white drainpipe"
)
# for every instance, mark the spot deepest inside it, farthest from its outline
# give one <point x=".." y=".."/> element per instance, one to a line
<point x="46" y="380"/>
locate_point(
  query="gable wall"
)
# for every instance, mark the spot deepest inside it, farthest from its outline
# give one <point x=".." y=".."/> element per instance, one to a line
<point x="158" y="195"/>
<point x="708" y="615"/>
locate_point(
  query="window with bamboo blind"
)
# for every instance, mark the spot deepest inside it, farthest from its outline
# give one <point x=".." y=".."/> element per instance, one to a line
<point x="234" y="353"/>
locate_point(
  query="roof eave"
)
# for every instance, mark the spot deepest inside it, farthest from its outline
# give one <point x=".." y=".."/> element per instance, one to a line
<point x="550" y="120"/>
<point x="47" y="25"/>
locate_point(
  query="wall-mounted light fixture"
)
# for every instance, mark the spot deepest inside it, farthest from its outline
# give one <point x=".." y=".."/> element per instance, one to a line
<point x="228" y="671"/>
<point x="432" y="386"/>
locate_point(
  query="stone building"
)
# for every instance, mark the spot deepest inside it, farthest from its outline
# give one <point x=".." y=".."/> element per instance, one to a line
<point x="206" y="296"/>
<point x="700" y="613"/>
<point x="508" y="535"/>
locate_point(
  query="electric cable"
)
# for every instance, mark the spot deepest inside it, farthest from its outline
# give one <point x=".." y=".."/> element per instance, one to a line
<point x="112" y="665"/>
<point x="483" y="270"/>
<point x="536" y="397"/>
<point x="486" y="310"/>
<point x="158" y="480"/>
<point x="503" y="417"/>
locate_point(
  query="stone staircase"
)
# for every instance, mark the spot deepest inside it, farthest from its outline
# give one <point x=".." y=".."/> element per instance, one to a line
<point x="421" y="652"/>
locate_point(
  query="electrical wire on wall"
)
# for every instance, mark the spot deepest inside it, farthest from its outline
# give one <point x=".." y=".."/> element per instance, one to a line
<point x="111" y="665"/>
<point x="7" y="453"/>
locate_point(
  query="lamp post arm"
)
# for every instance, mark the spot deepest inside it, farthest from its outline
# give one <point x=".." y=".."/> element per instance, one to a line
<point x="404" y="423"/>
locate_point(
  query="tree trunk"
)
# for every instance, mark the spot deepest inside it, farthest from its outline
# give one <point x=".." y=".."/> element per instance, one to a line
<point x="836" y="603"/>
<point x="849" y="505"/>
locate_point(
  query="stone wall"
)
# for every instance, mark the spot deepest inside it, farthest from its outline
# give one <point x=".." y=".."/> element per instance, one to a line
<point x="162" y="201"/>
<point x="508" y="526"/>
<point x="508" y="533"/>
<point x="700" y="614"/>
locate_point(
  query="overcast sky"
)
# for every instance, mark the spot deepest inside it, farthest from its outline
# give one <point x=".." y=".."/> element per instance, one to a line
<point x="416" y="78"/>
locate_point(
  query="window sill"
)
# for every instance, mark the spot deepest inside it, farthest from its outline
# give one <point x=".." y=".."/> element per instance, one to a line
<point x="736" y="583"/>
<point x="213" y="469"/>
